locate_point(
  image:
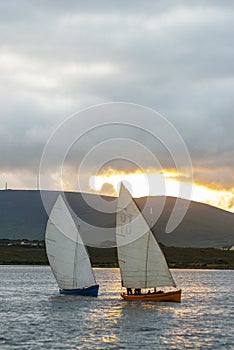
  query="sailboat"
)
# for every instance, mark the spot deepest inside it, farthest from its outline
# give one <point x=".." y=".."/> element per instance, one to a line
<point x="143" y="267"/>
<point x="67" y="255"/>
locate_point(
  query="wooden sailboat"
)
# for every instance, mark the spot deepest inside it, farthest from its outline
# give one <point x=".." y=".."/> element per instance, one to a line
<point x="143" y="267"/>
<point x="67" y="255"/>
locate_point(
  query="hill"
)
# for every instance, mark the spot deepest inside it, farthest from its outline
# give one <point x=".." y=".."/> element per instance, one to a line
<point x="22" y="216"/>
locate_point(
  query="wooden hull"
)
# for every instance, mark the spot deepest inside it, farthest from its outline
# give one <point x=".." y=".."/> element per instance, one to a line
<point x="172" y="296"/>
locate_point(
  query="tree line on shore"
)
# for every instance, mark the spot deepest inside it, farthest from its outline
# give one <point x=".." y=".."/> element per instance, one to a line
<point x="34" y="253"/>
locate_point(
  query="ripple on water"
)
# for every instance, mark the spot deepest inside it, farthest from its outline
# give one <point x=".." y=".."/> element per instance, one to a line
<point x="34" y="316"/>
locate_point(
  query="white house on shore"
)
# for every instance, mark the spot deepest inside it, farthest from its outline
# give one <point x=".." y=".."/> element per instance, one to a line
<point x="230" y="247"/>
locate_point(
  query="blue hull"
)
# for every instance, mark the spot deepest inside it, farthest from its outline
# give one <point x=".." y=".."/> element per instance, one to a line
<point x="90" y="291"/>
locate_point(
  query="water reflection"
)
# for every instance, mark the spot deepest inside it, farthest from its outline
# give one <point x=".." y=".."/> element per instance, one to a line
<point x="109" y="321"/>
<point x="34" y="315"/>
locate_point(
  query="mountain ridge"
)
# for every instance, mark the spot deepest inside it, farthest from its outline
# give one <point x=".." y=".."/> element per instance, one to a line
<point x="23" y="216"/>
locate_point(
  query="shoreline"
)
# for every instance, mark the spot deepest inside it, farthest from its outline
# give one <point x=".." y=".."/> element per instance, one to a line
<point x="177" y="257"/>
<point x="116" y="267"/>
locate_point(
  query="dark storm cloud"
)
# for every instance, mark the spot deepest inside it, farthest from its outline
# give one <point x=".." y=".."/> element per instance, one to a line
<point x="174" y="56"/>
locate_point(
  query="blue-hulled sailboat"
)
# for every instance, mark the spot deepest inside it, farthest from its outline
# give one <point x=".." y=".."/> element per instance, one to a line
<point x="67" y="255"/>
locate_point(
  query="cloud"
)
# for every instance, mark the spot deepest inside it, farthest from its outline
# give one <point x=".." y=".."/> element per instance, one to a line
<point x="176" y="57"/>
<point x="108" y="189"/>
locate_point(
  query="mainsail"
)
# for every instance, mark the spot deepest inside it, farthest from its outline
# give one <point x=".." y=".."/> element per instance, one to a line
<point x="141" y="261"/>
<point x="66" y="252"/>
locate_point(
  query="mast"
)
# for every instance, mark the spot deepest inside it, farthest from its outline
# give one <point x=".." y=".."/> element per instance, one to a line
<point x="146" y="260"/>
<point x="75" y="261"/>
<point x="147" y="249"/>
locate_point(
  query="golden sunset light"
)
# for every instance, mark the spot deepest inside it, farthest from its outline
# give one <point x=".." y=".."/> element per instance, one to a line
<point x="155" y="183"/>
<point x="137" y="183"/>
<point x="116" y="174"/>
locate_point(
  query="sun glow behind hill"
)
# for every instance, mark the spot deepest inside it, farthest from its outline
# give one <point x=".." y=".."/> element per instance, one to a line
<point x="154" y="183"/>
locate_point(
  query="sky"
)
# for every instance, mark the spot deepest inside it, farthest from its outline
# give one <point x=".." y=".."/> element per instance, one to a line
<point x="174" y="57"/>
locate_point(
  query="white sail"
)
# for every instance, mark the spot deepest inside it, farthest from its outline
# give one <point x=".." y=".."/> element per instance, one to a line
<point x="141" y="261"/>
<point x="66" y="252"/>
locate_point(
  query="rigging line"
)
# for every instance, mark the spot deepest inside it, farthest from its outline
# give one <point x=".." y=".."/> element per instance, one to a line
<point x="75" y="258"/>
<point x="147" y="249"/>
<point x="146" y="260"/>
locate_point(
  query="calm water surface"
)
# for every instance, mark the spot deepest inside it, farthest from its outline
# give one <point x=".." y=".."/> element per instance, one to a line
<point x="34" y="316"/>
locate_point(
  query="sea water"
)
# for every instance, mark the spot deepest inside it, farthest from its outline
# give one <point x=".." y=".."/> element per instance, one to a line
<point x="34" y="316"/>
